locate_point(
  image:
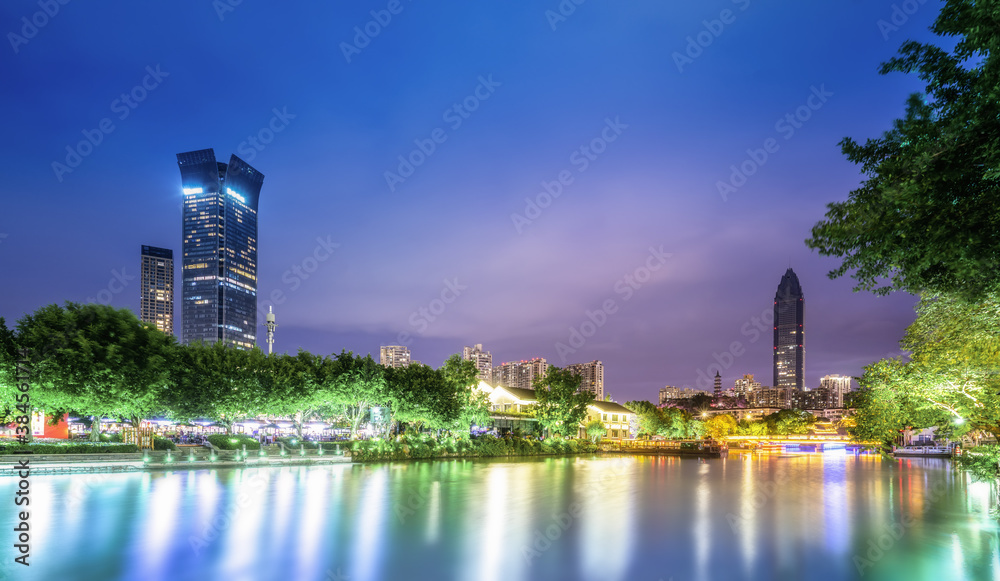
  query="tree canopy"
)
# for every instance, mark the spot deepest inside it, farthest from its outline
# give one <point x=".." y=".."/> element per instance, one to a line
<point x="927" y="217"/>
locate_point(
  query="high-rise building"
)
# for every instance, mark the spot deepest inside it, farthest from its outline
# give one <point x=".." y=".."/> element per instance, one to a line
<point x="394" y="356"/>
<point x="770" y="397"/>
<point x="156" y="303"/>
<point x="789" y="353"/>
<point x="670" y="392"/>
<point x="837" y="386"/>
<point x="745" y="385"/>
<point x="482" y="359"/>
<point x="521" y="374"/>
<point x="219" y="293"/>
<point x="592" y="375"/>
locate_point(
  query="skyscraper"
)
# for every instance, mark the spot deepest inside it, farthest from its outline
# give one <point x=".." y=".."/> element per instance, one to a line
<point x="219" y="296"/>
<point x="156" y="303"/>
<point x="394" y="356"/>
<point x="482" y="359"/>
<point x="592" y="377"/>
<point x="789" y="353"/>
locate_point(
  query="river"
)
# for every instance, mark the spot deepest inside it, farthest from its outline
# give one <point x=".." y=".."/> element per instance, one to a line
<point x="828" y="516"/>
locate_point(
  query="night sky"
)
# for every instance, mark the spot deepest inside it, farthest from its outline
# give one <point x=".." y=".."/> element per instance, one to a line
<point x="601" y="98"/>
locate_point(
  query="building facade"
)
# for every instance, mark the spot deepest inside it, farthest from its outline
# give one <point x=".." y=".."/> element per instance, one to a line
<point x="482" y="359"/>
<point x="616" y="418"/>
<point x="156" y="303"/>
<point x="745" y="385"/>
<point x="838" y="386"/>
<point x="520" y="374"/>
<point x="789" y="350"/>
<point x="219" y="247"/>
<point x="771" y="397"/>
<point x="394" y="356"/>
<point x="592" y="375"/>
<point x="670" y="392"/>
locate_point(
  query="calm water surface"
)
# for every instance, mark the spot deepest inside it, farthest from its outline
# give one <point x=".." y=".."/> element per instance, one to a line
<point x="818" y="516"/>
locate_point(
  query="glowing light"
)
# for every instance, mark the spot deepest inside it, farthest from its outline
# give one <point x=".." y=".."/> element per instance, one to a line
<point x="189" y="191"/>
<point x="235" y="195"/>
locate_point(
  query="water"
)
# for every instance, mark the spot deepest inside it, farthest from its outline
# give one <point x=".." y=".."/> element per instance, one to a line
<point x="816" y="516"/>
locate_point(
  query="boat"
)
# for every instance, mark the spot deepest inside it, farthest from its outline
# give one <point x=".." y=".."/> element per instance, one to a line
<point x="922" y="451"/>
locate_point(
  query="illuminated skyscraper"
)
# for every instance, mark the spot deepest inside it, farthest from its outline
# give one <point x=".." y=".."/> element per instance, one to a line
<point x="156" y="303"/>
<point x="219" y="293"/>
<point x="789" y="353"/>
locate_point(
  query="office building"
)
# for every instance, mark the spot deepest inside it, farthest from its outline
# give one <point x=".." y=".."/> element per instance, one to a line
<point x="219" y="238"/>
<point x="592" y="377"/>
<point x="789" y="352"/>
<point x="156" y="303"/>
<point x="394" y="356"/>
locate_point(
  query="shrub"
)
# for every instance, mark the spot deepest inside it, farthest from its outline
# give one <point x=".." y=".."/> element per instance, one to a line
<point x="163" y="444"/>
<point x="69" y="448"/>
<point x="224" y="442"/>
<point x="295" y="442"/>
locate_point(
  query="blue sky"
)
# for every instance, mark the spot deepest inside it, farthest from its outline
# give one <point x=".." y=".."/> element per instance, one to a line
<point x="547" y="88"/>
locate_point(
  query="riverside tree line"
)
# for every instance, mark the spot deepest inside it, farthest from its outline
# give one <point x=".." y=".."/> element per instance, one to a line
<point x="100" y="362"/>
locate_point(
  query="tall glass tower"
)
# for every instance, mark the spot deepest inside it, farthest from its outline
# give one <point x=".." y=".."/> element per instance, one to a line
<point x="219" y="292"/>
<point x="789" y="354"/>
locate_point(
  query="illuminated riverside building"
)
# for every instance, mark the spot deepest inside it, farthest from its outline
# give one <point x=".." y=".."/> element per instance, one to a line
<point x="789" y="353"/>
<point x="219" y="264"/>
<point x="394" y="356"/>
<point x="156" y="301"/>
<point x="592" y="375"/>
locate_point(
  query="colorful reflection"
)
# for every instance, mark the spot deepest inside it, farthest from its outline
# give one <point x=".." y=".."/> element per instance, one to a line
<point x="807" y="517"/>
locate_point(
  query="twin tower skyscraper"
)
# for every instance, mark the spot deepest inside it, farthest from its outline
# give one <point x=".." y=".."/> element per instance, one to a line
<point x="219" y="248"/>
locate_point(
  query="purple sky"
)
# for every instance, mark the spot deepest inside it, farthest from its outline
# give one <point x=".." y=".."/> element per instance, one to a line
<point x="542" y="95"/>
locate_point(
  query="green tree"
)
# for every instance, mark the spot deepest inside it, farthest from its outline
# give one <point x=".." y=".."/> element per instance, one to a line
<point x="927" y="216"/>
<point x="97" y="360"/>
<point x="649" y="416"/>
<point x="720" y="425"/>
<point x="360" y="384"/>
<point x="561" y="406"/>
<point x="471" y="405"/>
<point x="595" y="430"/>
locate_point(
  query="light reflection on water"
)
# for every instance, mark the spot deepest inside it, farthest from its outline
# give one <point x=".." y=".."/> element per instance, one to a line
<point x="809" y="517"/>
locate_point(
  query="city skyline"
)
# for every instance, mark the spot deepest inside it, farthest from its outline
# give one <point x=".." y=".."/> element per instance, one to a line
<point x="512" y="230"/>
